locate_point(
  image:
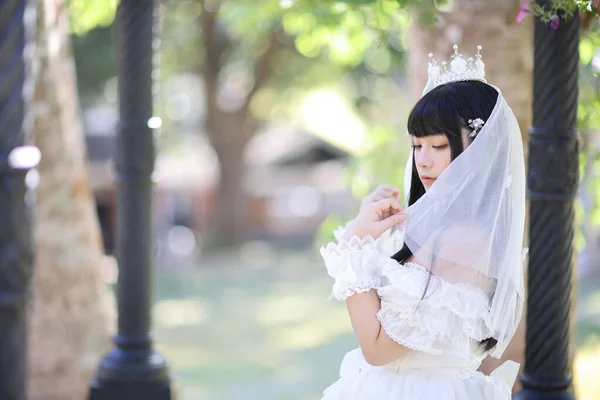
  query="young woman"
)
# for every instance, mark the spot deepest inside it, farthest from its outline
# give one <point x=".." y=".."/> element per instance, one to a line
<point x="434" y="288"/>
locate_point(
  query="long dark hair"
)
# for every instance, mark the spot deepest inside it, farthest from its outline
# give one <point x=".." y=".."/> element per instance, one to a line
<point x="447" y="110"/>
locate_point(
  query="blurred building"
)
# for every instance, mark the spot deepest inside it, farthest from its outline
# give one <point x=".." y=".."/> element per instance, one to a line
<point x="293" y="181"/>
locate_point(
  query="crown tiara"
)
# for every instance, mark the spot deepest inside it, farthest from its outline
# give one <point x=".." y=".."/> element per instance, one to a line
<point x="460" y="69"/>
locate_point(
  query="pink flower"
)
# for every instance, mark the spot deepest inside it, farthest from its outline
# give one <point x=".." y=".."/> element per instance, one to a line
<point x="523" y="11"/>
<point x="596" y="3"/>
<point x="555" y="21"/>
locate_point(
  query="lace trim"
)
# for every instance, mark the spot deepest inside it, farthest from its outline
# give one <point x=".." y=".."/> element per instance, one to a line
<point x="461" y="299"/>
<point x="406" y="343"/>
<point x="355" y="265"/>
<point x="346" y="246"/>
<point x="343" y="293"/>
<point x="388" y="243"/>
<point x="445" y="321"/>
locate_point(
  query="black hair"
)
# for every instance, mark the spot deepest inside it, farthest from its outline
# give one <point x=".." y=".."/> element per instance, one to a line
<point x="446" y="110"/>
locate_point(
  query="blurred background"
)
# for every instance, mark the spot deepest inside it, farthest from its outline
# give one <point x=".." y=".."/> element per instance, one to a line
<point x="276" y="117"/>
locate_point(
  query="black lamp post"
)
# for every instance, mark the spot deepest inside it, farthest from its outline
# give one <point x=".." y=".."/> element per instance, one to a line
<point x="17" y="179"/>
<point x="552" y="188"/>
<point x="133" y="369"/>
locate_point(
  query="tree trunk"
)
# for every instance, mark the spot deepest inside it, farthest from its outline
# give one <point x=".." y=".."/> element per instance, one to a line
<point x="230" y="218"/>
<point x="71" y="303"/>
<point x="508" y="56"/>
<point x="229" y="131"/>
<point x="228" y="135"/>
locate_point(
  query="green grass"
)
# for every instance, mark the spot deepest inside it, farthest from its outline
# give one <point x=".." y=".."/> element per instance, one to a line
<point x="234" y="330"/>
<point x="262" y="328"/>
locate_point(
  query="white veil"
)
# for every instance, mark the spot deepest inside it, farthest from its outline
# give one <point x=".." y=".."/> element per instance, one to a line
<point x="468" y="227"/>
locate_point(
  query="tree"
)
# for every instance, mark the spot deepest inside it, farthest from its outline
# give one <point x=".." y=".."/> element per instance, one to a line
<point x="243" y="49"/>
<point x="71" y="303"/>
<point x="266" y="44"/>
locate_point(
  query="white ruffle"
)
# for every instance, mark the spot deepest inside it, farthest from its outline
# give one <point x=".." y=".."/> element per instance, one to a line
<point x="361" y="381"/>
<point x="388" y="243"/>
<point x="444" y="320"/>
<point x="355" y="265"/>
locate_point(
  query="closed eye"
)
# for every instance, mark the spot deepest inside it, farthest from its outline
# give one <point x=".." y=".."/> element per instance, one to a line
<point x="440" y="147"/>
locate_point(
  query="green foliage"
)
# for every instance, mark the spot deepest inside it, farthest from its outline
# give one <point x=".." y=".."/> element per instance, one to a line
<point x="564" y="9"/>
<point x="86" y="15"/>
<point x="345" y="31"/>
<point x="95" y="58"/>
<point x="330" y="38"/>
<point x="588" y="114"/>
<point x="94" y="44"/>
<point x="589" y="84"/>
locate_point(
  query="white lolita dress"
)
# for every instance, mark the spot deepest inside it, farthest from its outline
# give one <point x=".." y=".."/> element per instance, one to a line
<point x="440" y="330"/>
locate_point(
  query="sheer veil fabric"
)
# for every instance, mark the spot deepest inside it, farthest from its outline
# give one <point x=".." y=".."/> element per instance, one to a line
<point x="468" y="227"/>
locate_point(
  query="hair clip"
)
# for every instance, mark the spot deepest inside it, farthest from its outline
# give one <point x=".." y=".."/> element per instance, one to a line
<point x="476" y="124"/>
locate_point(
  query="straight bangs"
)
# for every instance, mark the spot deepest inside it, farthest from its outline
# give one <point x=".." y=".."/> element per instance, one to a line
<point x="435" y="114"/>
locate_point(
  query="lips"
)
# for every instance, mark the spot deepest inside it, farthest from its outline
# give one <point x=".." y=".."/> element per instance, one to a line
<point x="427" y="181"/>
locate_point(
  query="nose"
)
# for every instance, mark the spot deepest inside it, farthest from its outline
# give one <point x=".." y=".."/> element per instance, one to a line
<point x="423" y="158"/>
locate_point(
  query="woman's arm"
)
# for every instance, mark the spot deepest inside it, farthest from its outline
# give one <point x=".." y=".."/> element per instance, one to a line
<point x="377" y="347"/>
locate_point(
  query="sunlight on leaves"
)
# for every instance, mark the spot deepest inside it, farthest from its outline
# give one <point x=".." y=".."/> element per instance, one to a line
<point x="86" y="15"/>
<point x="327" y="114"/>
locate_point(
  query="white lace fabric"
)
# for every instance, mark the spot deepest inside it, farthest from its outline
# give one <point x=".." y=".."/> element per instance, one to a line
<point x="418" y="310"/>
<point x="355" y="266"/>
<point x="388" y="243"/>
<point x="443" y="319"/>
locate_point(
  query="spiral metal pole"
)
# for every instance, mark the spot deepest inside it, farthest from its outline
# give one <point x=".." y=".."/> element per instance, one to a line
<point x="133" y="369"/>
<point x="552" y="188"/>
<point x="17" y="178"/>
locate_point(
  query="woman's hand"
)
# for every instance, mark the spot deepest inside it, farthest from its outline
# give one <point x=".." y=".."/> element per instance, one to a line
<point x="380" y="193"/>
<point x="375" y="218"/>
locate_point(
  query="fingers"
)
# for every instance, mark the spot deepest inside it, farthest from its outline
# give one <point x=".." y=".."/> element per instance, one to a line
<point x="388" y="204"/>
<point x="385" y="208"/>
<point x="375" y="218"/>
<point x="382" y="192"/>
<point x="387" y="187"/>
<point x="385" y="191"/>
<point x="395" y="219"/>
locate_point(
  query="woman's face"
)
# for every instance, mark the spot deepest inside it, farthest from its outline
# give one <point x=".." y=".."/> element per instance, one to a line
<point x="432" y="156"/>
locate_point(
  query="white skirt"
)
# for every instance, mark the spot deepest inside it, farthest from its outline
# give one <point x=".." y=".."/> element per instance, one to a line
<point x="361" y="381"/>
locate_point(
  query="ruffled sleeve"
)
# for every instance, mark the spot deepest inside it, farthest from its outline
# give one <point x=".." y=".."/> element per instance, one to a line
<point x="425" y="313"/>
<point x="388" y="243"/>
<point x="355" y="265"/>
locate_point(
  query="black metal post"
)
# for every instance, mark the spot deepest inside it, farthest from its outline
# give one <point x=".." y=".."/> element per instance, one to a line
<point x="16" y="202"/>
<point x="552" y="187"/>
<point x="133" y="370"/>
